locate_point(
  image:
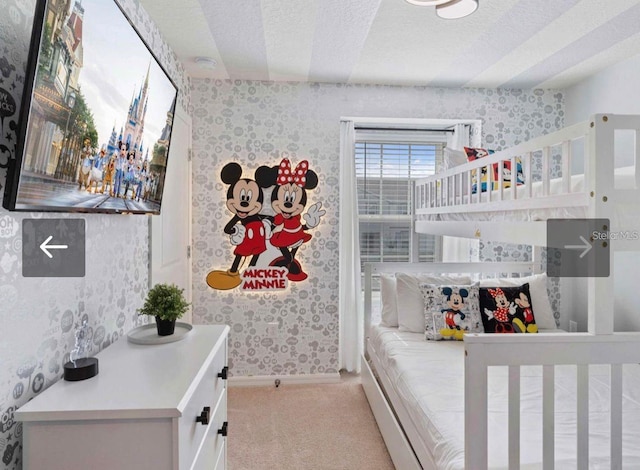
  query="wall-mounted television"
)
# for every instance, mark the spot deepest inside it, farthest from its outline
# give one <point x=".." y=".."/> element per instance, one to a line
<point x="96" y="116"/>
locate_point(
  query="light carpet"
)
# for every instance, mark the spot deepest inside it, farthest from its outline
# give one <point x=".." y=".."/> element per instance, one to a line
<point x="315" y="427"/>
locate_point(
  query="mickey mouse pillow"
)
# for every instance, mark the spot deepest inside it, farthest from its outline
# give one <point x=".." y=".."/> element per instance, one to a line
<point x="450" y="311"/>
<point x="507" y="310"/>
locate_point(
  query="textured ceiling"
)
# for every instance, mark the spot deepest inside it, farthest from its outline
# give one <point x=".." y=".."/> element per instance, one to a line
<point x="506" y="43"/>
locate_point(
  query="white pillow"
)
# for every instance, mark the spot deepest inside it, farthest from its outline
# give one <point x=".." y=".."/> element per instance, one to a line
<point x="539" y="296"/>
<point x="389" y="310"/>
<point x="453" y="158"/>
<point x="410" y="304"/>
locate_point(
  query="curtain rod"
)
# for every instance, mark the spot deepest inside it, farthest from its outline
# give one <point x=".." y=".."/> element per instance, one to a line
<point x="400" y="129"/>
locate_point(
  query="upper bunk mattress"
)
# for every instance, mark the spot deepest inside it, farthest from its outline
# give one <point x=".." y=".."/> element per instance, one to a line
<point x="428" y="376"/>
<point x="624" y="179"/>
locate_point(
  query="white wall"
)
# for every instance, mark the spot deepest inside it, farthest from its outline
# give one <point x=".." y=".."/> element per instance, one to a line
<point x="614" y="90"/>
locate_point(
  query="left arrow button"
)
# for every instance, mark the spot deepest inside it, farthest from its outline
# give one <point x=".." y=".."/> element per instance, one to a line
<point x="53" y="247"/>
<point x="44" y="246"/>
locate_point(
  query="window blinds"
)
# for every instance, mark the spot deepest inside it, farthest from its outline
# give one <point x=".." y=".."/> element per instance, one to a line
<point x="387" y="165"/>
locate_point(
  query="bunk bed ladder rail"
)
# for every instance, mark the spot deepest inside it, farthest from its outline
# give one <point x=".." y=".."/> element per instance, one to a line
<point x="548" y="350"/>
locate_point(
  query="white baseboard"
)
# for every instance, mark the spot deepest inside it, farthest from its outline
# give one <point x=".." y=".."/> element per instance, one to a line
<point x="269" y="380"/>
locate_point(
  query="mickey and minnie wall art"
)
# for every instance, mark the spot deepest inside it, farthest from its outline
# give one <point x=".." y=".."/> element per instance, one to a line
<point x="265" y="236"/>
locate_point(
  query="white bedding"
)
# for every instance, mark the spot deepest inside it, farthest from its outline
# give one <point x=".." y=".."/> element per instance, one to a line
<point x="624" y="179"/>
<point x="429" y="378"/>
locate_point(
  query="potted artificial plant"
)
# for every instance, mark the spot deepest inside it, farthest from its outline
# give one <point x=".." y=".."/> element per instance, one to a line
<point x="167" y="303"/>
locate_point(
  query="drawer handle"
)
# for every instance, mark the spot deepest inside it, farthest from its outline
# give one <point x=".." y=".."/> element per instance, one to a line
<point x="223" y="429"/>
<point x="223" y="374"/>
<point x="204" y="416"/>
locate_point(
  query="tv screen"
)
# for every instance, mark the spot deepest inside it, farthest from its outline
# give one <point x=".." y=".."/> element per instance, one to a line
<point x="96" y="117"/>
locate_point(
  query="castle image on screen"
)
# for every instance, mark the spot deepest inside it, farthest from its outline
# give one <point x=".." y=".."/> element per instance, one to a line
<point x="100" y="117"/>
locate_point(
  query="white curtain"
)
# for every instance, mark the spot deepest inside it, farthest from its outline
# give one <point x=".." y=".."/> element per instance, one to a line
<point x="455" y="249"/>
<point x="459" y="138"/>
<point x="350" y="293"/>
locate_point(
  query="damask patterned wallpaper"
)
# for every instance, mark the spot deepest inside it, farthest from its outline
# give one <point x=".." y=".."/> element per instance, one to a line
<point x="255" y="123"/>
<point x="39" y="315"/>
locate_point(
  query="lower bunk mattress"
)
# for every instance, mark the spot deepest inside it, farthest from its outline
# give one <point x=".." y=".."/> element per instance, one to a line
<point x="428" y="376"/>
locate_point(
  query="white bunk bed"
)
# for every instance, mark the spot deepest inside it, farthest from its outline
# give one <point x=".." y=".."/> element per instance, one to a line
<point x="599" y="368"/>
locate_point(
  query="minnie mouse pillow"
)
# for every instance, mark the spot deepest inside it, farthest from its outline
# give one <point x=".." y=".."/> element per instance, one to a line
<point x="507" y="310"/>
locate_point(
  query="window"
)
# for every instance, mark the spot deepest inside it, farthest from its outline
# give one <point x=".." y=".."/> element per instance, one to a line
<point x="387" y="165"/>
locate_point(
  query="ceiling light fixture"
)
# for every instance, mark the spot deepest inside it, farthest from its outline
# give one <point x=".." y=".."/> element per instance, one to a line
<point x="449" y="9"/>
<point x="206" y="63"/>
<point x="456" y="9"/>
<point x="427" y="3"/>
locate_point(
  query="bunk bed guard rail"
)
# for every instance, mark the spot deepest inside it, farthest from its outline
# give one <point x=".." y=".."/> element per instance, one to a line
<point x="548" y="350"/>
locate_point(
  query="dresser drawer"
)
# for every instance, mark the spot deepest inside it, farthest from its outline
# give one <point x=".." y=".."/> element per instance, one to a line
<point x="212" y="453"/>
<point x="209" y="392"/>
<point x="221" y="462"/>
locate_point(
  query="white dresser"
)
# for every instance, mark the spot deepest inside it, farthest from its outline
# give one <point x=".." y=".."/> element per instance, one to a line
<point x="150" y="407"/>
